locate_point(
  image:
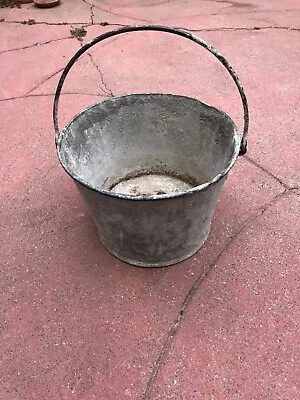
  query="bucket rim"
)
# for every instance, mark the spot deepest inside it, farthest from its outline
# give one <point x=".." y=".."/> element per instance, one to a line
<point x="187" y="192"/>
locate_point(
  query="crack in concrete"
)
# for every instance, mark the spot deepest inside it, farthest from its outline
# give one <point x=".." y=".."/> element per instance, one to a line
<point x="255" y="12"/>
<point x="257" y="165"/>
<point x="35" y="44"/>
<point x="84" y="24"/>
<point x="47" y="23"/>
<point x="91" y="10"/>
<point x="25" y="96"/>
<point x="45" y="80"/>
<point x="190" y="295"/>
<point x="106" y="89"/>
<point x="295" y="189"/>
<point x="221" y="29"/>
<point x="255" y="28"/>
<point x="92" y="14"/>
<point x="113" y="13"/>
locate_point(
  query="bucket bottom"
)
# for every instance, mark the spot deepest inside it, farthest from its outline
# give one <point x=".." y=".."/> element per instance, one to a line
<point x="152" y="184"/>
<point x="165" y="263"/>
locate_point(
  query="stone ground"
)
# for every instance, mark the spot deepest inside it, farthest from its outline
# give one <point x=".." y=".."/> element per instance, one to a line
<point x="75" y="322"/>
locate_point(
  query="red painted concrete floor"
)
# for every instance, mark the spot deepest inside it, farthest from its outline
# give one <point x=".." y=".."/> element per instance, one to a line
<point x="78" y="324"/>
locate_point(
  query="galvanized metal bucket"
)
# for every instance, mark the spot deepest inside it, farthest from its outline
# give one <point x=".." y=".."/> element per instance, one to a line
<point x="150" y="166"/>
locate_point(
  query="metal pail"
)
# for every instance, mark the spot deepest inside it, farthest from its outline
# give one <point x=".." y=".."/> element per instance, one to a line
<point x="150" y="166"/>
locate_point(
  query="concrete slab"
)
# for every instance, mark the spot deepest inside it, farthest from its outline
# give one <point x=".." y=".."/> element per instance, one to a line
<point x="153" y="11"/>
<point x="232" y="21"/>
<point x="83" y="78"/>
<point x="41" y="339"/>
<point x="103" y="15"/>
<point x="142" y="62"/>
<point x="75" y="315"/>
<point x="239" y="339"/>
<point x="68" y="11"/>
<point x="75" y="323"/>
<point x="26" y="69"/>
<point x="18" y="36"/>
<point x="273" y="138"/>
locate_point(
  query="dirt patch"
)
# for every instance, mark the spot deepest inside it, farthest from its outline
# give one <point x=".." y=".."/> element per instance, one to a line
<point x="10" y="3"/>
<point x="29" y="22"/>
<point x="79" y="33"/>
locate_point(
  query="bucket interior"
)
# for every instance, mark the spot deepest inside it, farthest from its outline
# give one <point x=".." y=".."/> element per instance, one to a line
<point x="148" y="144"/>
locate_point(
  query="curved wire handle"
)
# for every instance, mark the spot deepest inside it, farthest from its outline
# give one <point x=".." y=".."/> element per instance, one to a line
<point x="179" y="32"/>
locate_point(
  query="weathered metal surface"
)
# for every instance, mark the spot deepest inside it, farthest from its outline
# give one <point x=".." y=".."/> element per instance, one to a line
<point x="132" y="136"/>
<point x="150" y="167"/>
<point x="153" y="232"/>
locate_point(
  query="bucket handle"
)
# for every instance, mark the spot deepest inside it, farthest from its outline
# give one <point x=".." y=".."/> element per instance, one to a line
<point x="176" y="31"/>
